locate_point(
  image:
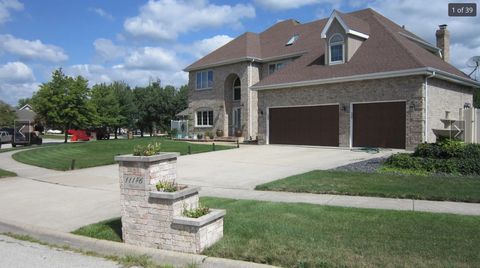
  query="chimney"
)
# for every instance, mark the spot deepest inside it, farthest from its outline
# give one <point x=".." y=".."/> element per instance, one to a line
<point x="443" y="41"/>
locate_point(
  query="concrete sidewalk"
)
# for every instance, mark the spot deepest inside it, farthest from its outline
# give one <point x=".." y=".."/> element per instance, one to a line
<point x="459" y="208"/>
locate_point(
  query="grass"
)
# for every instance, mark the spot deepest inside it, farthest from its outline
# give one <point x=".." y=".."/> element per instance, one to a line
<point x="305" y="235"/>
<point x="106" y="230"/>
<point x="452" y="188"/>
<point x="5" y="173"/>
<point x="98" y="153"/>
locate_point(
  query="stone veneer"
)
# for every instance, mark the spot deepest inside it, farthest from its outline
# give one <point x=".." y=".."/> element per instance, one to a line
<point x="155" y="219"/>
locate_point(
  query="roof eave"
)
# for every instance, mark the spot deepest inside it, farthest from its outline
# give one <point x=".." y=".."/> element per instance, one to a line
<point x="408" y="72"/>
<point x="250" y="59"/>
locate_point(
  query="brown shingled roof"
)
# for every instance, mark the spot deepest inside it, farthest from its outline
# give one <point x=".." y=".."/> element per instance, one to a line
<point x="387" y="49"/>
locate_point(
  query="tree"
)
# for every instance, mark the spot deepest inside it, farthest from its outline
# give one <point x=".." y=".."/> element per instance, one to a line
<point x="7" y="115"/>
<point x="24" y="101"/>
<point x="126" y="102"/>
<point x="64" y="102"/>
<point x="105" y="105"/>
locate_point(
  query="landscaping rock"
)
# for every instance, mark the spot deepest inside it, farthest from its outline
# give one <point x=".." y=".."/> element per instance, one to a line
<point x="369" y="166"/>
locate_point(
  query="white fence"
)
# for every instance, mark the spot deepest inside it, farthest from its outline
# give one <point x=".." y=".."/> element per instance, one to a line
<point x="472" y="125"/>
<point x="181" y="126"/>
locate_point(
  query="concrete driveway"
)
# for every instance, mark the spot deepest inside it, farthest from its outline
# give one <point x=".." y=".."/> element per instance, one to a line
<point x="68" y="200"/>
<point x="249" y="166"/>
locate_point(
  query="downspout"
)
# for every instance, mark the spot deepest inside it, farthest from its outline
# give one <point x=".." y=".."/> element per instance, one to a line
<point x="425" y="134"/>
<point x="250" y="98"/>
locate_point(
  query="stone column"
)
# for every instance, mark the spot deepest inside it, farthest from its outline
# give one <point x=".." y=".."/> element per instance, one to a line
<point x="155" y="219"/>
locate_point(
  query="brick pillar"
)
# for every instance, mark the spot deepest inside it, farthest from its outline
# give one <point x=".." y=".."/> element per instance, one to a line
<point x="154" y="219"/>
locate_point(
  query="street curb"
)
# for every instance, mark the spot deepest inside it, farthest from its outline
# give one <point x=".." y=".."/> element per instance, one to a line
<point x="108" y="248"/>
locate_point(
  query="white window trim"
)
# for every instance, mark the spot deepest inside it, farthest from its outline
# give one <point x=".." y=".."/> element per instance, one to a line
<point x="196" y="118"/>
<point x="204" y="88"/>
<point x="235" y="87"/>
<point x="330" y="44"/>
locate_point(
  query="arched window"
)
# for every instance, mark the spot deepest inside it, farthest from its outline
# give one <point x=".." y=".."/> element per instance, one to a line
<point x="337" y="48"/>
<point x="237" y="92"/>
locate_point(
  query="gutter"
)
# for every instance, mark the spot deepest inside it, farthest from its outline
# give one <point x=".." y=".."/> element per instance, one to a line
<point x="242" y="59"/>
<point x="401" y="73"/>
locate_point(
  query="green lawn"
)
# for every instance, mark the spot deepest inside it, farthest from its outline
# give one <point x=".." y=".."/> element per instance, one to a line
<point x="465" y="189"/>
<point x="5" y="173"/>
<point x="98" y="153"/>
<point x="305" y="235"/>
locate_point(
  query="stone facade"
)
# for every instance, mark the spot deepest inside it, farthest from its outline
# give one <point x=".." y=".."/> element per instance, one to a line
<point x="155" y="219"/>
<point x="408" y="89"/>
<point x="219" y="98"/>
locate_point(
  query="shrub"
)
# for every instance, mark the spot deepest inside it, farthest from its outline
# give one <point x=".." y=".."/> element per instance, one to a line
<point x="166" y="186"/>
<point x="471" y="151"/>
<point x="197" y="212"/>
<point x="173" y="133"/>
<point x="403" y="160"/>
<point x="146" y="150"/>
<point x="209" y="134"/>
<point x="444" y="149"/>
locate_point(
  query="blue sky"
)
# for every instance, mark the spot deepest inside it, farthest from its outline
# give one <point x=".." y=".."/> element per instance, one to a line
<point x="139" y="41"/>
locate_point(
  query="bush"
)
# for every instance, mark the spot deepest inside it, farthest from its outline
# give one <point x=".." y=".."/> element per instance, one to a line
<point x="166" y="186"/>
<point x="444" y="149"/>
<point x="146" y="150"/>
<point x="197" y="212"/>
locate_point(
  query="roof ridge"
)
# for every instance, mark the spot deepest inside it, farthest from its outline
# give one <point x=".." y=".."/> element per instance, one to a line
<point x="393" y="34"/>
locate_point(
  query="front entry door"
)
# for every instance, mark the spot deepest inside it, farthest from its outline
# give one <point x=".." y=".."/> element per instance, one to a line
<point x="236" y="120"/>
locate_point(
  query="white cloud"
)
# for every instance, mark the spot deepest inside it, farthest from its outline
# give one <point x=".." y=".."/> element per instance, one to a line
<point x="6" y="6"/>
<point x="102" y="13"/>
<point x="205" y="46"/>
<point x="16" y="81"/>
<point x="133" y="77"/>
<point x="149" y="58"/>
<point x="16" y="72"/>
<point x="11" y="93"/>
<point x="166" y="19"/>
<point x="289" y="4"/>
<point x="31" y="50"/>
<point x="464" y="37"/>
<point x="106" y="50"/>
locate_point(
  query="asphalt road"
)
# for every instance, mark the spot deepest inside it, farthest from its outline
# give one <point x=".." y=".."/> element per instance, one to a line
<point x="19" y="254"/>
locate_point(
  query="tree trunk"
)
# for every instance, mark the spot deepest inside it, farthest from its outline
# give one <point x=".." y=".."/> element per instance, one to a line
<point x="116" y="131"/>
<point x="66" y="134"/>
<point x="141" y="132"/>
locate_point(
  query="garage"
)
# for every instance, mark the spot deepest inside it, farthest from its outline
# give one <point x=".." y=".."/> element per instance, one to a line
<point x="379" y="125"/>
<point x="305" y="125"/>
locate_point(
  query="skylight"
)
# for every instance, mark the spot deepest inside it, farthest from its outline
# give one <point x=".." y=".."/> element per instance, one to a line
<point x="292" y="40"/>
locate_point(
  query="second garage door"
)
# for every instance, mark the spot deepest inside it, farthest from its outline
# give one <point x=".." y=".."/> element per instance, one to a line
<point x="306" y="125"/>
<point x="379" y="125"/>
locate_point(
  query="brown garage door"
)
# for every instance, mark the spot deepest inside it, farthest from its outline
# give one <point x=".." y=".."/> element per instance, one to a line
<point x="379" y="125"/>
<point x="309" y="125"/>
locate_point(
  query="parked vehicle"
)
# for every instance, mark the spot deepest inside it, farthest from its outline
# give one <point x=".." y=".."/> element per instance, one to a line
<point x="102" y="134"/>
<point x="54" y="131"/>
<point x="5" y="137"/>
<point x="34" y="138"/>
<point x="24" y="134"/>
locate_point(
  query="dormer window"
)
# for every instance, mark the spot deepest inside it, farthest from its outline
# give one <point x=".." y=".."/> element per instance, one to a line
<point x="337" y="49"/>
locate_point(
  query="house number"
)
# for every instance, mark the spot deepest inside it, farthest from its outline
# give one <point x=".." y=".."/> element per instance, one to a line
<point x="134" y="180"/>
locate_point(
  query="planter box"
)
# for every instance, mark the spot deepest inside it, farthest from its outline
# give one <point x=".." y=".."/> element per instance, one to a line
<point x="155" y="219"/>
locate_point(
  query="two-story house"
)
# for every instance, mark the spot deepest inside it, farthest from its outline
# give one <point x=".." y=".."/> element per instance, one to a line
<point x="350" y="80"/>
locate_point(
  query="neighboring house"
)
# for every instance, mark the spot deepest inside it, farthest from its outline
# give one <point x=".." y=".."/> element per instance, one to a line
<point x="350" y="80"/>
<point x="25" y="113"/>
